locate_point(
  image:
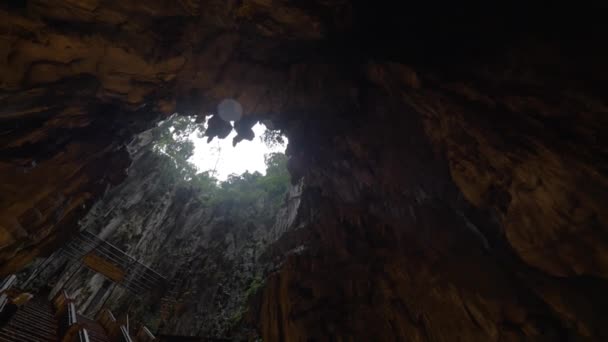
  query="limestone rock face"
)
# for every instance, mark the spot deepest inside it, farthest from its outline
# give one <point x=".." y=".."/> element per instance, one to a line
<point x="210" y="254"/>
<point x="446" y="226"/>
<point x="453" y="158"/>
<point x="78" y="79"/>
<point x="54" y="165"/>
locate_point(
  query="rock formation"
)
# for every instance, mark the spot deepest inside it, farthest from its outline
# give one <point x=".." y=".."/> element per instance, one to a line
<point x="453" y="157"/>
<point x="210" y="253"/>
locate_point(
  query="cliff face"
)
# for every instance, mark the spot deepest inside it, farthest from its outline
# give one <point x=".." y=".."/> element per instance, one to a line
<point x="449" y="224"/>
<point x="209" y="253"/>
<point x="453" y="158"/>
<point x="80" y="78"/>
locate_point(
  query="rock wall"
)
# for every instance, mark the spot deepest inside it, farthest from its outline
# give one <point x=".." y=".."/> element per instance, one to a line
<point x="210" y="254"/>
<point x="435" y="222"/>
<point x="79" y="79"/>
<point x="453" y="155"/>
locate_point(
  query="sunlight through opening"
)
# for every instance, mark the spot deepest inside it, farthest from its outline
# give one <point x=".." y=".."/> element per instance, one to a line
<point x="222" y="159"/>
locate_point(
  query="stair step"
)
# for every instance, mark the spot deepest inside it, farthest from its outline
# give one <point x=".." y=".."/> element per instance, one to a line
<point x="41" y="301"/>
<point x="5" y="338"/>
<point x="96" y="333"/>
<point x="35" y="317"/>
<point x="98" y="339"/>
<point x="41" y="314"/>
<point x="31" y="330"/>
<point x="34" y="322"/>
<point x="11" y="337"/>
<point x="38" y="305"/>
<point x="93" y="326"/>
<point x="25" y="320"/>
<point x="22" y="336"/>
<point x="32" y="326"/>
<point x="43" y="310"/>
<point x="45" y="316"/>
<point x="38" y="310"/>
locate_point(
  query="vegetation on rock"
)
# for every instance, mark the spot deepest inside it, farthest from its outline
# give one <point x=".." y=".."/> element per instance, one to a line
<point x="172" y="144"/>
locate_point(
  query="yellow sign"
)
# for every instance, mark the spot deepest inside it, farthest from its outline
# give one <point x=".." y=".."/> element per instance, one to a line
<point x="104" y="266"/>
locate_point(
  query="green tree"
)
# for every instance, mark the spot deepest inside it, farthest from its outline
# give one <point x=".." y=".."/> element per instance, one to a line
<point x="173" y="145"/>
<point x="272" y="138"/>
<point x="276" y="180"/>
<point x="171" y="140"/>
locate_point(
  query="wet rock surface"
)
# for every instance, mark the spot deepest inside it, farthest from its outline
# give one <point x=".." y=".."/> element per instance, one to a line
<point x="454" y="173"/>
<point x="209" y="254"/>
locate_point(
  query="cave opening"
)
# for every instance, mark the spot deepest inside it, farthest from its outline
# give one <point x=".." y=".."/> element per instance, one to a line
<point x="194" y="215"/>
<point x="183" y="140"/>
<point x="447" y="161"/>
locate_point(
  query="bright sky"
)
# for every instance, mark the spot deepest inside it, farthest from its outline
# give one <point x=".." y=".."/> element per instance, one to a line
<point x="245" y="156"/>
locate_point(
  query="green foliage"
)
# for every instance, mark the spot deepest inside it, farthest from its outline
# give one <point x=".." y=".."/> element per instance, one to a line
<point x="171" y="141"/>
<point x="240" y="190"/>
<point x="249" y="189"/>
<point x="174" y="147"/>
<point x="247" y="198"/>
<point x="237" y="317"/>
<point x="255" y="285"/>
<point x="276" y="181"/>
<point x="273" y="138"/>
<point x="205" y="182"/>
<point x="253" y="288"/>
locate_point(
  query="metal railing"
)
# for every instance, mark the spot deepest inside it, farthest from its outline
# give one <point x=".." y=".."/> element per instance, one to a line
<point x="144" y="335"/>
<point x="138" y="278"/>
<point x="83" y="335"/>
<point x="8" y="282"/>
<point x="73" y="327"/>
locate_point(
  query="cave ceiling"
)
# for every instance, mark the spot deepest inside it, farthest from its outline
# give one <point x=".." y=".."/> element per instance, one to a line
<point x="487" y="116"/>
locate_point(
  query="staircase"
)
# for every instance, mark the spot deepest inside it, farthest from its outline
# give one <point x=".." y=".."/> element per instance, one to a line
<point x="95" y="331"/>
<point x="118" y="266"/>
<point x="41" y="320"/>
<point x="32" y="323"/>
<point x="75" y="327"/>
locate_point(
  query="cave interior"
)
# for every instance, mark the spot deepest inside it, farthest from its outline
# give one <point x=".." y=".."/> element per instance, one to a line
<point x="448" y="167"/>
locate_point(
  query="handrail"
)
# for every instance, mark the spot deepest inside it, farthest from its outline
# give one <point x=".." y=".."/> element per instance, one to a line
<point x="83" y="251"/>
<point x="66" y="315"/>
<point x="77" y="251"/>
<point x="5" y="288"/>
<point x="137" y="276"/>
<point x="144" y="335"/>
<point x="95" y="238"/>
<point x="60" y="300"/>
<point x="141" y="282"/>
<point x="143" y="276"/>
<point x="88" y="242"/>
<point x="73" y="327"/>
<point x="72" y="316"/>
<point x="8" y="282"/>
<point x="109" y="323"/>
<point x="106" y="319"/>
<point x="125" y="334"/>
<point x="83" y="335"/>
<point x="3" y="301"/>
